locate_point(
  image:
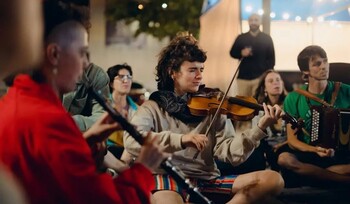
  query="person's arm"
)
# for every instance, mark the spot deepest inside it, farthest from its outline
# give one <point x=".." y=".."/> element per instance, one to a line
<point x="69" y="157"/>
<point x="145" y="120"/>
<point x="236" y="49"/>
<point x="237" y="149"/>
<point x="111" y="161"/>
<point x="100" y="82"/>
<point x="233" y="148"/>
<point x="291" y="106"/>
<point x="270" y="61"/>
<point x="296" y="144"/>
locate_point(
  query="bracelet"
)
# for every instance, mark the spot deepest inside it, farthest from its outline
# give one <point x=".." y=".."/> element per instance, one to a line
<point x="112" y="172"/>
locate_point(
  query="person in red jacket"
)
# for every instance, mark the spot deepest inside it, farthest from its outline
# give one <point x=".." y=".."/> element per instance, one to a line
<point x="41" y="144"/>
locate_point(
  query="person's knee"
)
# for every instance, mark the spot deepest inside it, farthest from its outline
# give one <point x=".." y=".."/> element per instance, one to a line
<point x="166" y="196"/>
<point x="288" y="161"/>
<point x="271" y="180"/>
<point x="285" y="160"/>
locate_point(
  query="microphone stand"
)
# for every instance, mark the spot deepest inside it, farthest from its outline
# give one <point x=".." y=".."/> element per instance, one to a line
<point x="171" y="169"/>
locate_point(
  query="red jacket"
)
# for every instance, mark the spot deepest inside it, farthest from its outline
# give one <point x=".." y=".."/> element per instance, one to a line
<point x="42" y="146"/>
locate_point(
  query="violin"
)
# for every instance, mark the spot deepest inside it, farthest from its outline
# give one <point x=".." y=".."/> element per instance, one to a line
<point x="167" y="165"/>
<point x="239" y="108"/>
<point x="202" y="104"/>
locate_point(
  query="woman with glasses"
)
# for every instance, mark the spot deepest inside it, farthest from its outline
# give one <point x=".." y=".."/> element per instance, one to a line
<point x="120" y="77"/>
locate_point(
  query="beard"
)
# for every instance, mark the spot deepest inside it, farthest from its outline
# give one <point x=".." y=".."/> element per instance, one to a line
<point x="254" y="28"/>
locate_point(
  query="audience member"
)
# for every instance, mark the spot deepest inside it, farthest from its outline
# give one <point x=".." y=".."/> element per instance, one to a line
<point x="80" y="104"/>
<point x="315" y="164"/>
<point x="257" y="53"/>
<point x="270" y="91"/>
<point x="45" y="150"/>
<point x="166" y="115"/>
<point x="85" y="111"/>
<point x="120" y="77"/>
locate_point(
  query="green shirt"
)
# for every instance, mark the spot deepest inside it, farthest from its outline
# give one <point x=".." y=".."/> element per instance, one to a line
<point x="84" y="109"/>
<point x="297" y="105"/>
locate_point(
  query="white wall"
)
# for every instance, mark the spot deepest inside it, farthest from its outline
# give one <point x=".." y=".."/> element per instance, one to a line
<point x="142" y="60"/>
<point x="289" y="39"/>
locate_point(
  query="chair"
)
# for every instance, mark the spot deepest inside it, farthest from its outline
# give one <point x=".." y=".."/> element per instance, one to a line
<point x="339" y="71"/>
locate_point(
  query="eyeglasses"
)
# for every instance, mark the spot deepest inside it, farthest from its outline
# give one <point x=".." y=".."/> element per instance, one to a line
<point x="122" y="77"/>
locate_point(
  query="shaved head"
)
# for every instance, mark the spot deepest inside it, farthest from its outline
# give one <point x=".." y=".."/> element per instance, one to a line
<point x="65" y="33"/>
<point x="254" y="22"/>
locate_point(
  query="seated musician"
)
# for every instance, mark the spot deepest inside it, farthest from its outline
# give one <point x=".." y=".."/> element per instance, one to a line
<point x="179" y="74"/>
<point x="315" y="163"/>
<point x="41" y="144"/>
<point x="271" y="91"/>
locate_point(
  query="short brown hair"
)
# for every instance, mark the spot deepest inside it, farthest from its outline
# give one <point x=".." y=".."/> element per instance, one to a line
<point x="309" y="53"/>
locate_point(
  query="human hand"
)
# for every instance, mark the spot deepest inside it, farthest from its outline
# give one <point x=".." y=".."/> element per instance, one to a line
<point x="151" y="154"/>
<point x="247" y="51"/>
<point x="279" y="145"/>
<point x="101" y="130"/>
<point x="324" y="152"/>
<point x="272" y="114"/>
<point x="99" y="150"/>
<point x="198" y="141"/>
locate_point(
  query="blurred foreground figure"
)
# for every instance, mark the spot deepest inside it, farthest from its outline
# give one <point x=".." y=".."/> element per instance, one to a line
<point x="20" y="43"/>
<point x="21" y="32"/>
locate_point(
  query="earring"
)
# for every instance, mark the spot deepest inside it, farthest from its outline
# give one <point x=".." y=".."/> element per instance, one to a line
<point x="265" y="92"/>
<point x="55" y="71"/>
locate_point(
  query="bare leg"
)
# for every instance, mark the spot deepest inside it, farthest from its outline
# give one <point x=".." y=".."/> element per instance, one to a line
<point x="168" y="197"/>
<point x="340" y="169"/>
<point x="256" y="187"/>
<point x="289" y="161"/>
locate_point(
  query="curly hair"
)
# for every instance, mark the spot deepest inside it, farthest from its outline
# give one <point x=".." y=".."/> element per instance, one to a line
<point x="184" y="47"/>
<point x="260" y="91"/>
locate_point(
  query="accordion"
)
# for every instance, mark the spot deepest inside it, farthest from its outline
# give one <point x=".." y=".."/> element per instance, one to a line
<point x="330" y="127"/>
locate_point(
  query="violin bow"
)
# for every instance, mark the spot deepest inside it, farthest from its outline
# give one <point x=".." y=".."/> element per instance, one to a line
<point x="220" y="105"/>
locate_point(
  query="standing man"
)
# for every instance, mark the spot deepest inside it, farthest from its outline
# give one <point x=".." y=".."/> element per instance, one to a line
<point x="257" y="53"/>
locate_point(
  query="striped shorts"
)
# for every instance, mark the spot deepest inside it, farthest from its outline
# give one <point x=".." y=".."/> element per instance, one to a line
<point x="222" y="184"/>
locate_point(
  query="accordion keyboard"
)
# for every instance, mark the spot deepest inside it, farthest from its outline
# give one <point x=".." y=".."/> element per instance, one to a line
<point x="315" y="125"/>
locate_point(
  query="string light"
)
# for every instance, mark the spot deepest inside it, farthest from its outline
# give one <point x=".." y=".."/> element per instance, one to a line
<point x="285" y="16"/>
<point x="309" y="19"/>
<point x="324" y="10"/>
<point x="272" y="14"/>
<point x="140" y="6"/>
<point x="248" y="9"/>
<point x="297" y="18"/>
